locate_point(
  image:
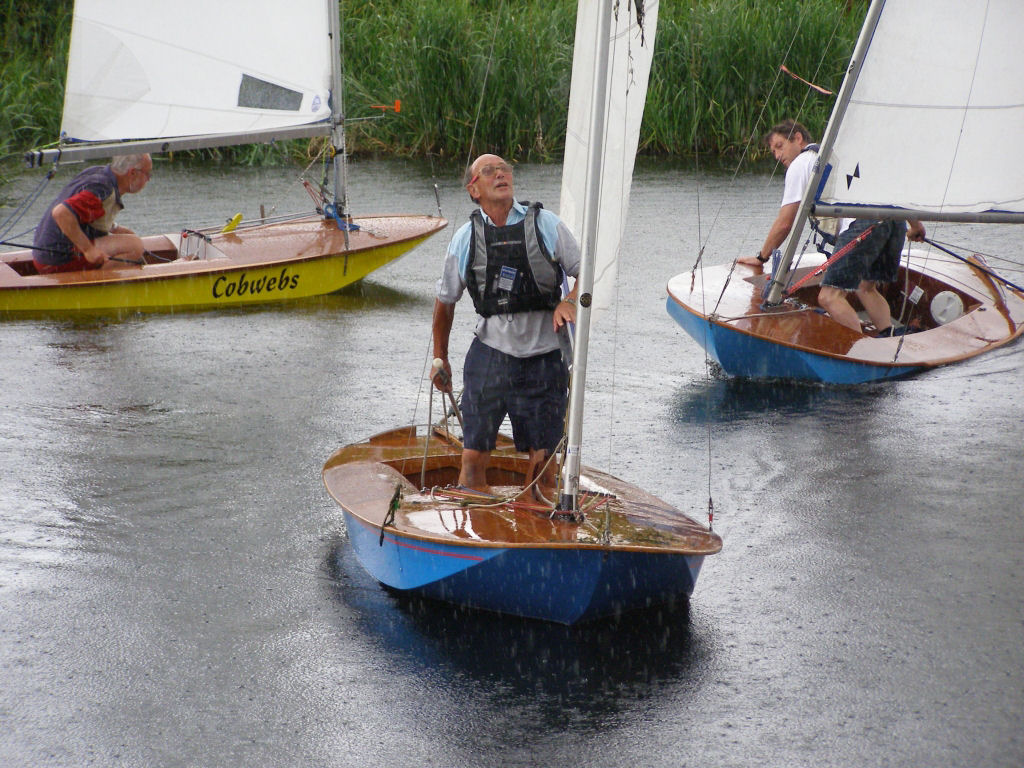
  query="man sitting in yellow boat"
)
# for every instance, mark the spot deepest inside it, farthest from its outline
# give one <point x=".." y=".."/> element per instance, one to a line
<point x="511" y="257"/>
<point x="78" y="231"/>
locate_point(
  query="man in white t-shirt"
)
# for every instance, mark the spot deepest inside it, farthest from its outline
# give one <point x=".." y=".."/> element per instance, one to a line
<point x="873" y="260"/>
<point x="791" y="144"/>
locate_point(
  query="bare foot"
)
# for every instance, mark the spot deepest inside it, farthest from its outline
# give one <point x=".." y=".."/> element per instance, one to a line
<point x="751" y="260"/>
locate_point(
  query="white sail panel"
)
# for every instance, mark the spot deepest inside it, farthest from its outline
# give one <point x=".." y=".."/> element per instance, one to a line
<point x="627" y="93"/>
<point x="936" y="114"/>
<point x="192" y="67"/>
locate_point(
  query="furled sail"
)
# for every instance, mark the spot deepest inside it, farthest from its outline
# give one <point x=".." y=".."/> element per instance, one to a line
<point x="610" y="68"/>
<point x="632" y="47"/>
<point x="145" y="70"/>
<point x="936" y="114"/>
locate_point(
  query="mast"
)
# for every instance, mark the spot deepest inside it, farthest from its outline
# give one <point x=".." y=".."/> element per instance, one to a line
<point x="337" y="111"/>
<point x="568" y="499"/>
<point x="842" y="102"/>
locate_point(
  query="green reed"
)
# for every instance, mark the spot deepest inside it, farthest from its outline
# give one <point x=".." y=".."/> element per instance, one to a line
<point x="488" y="75"/>
<point x="715" y="81"/>
<point x="33" y="38"/>
<point x="472" y="76"/>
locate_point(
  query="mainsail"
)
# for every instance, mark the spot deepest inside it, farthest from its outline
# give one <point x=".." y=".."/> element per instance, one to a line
<point x="251" y="70"/>
<point x="934" y="118"/>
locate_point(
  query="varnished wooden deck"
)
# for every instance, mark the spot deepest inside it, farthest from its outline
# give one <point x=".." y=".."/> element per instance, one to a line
<point x="731" y="297"/>
<point x="363" y="479"/>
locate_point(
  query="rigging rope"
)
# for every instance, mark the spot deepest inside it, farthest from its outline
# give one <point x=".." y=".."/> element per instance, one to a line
<point x="483" y="85"/>
<point x="979" y="267"/>
<point x="22" y="208"/>
<point x="754" y="135"/>
<point x="1014" y="266"/>
<point x="428" y="354"/>
<point x="693" y="276"/>
<point x="903" y="317"/>
<point x="703" y="239"/>
<point x="790" y="290"/>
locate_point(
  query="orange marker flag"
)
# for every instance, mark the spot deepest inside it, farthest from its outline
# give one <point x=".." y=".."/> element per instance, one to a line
<point x="397" y="106"/>
<point x="818" y="88"/>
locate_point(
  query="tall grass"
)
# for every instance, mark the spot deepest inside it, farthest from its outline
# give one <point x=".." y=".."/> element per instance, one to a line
<point x="472" y="76"/>
<point x="715" y="80"/>
<point x="484" y="75"/>
<point x="34" y="41"/>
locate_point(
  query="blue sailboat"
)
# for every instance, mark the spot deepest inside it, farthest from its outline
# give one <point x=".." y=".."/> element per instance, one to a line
<point x="623" y="549"/>
<point x="919" y="131"/>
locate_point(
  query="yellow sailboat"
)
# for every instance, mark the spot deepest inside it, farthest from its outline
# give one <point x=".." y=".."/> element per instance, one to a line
<point x="170" y="83"/>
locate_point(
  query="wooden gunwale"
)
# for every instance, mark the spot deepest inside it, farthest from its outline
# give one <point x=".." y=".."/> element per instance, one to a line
<point x="362" y="479"/>
<point x="235" y="250"/>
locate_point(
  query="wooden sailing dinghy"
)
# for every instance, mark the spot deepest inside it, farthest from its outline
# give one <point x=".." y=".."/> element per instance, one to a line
<point x="144" y="78"/>
<point x="621" y="547"/>
<point x="414" y="531"/>
<point x="957" y="311"/>
<point x="921" y="129"/>
<point x="271" y="262"/>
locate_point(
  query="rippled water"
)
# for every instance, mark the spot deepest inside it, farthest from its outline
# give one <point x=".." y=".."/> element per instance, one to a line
<point x="176" y="587"/>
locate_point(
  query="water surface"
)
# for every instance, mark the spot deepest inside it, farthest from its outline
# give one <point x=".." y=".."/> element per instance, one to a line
<point x="176" y="587"/>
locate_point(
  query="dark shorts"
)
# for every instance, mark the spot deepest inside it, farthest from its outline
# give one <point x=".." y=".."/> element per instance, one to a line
<point x="876" y="258"/>
<point x="532" y="391"/>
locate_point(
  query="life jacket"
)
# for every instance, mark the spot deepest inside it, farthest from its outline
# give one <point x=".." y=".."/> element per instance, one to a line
<point x="827" y="227"/>
<point x="509" y="268"/>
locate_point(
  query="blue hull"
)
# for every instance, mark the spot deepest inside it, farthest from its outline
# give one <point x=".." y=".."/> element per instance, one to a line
<point x="563" y="584"/>
<point x="742" y="354"/>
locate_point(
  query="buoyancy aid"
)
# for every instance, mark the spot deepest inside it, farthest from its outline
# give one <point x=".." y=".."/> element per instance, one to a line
<point x="509" y="268"/>
<point x="826" y="226"/>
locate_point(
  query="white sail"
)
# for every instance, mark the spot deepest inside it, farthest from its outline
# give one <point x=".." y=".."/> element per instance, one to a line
<point x="937" y="112"/>
<point x="631" y="50"/>
<point x="141" y="70"/>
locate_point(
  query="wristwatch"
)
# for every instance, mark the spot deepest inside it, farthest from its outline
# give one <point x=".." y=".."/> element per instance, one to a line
<point x="762" y="260"/>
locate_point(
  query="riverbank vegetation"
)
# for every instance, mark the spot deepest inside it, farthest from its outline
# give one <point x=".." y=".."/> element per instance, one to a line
<point x="484" y="75"/>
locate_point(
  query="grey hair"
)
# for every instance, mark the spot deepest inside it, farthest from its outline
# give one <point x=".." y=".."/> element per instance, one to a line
<point x="124" y="163"/>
